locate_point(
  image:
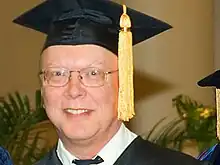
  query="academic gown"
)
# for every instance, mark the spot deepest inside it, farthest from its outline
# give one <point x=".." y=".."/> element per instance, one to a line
<point x="139" y="152"/>
<point x="211" y="156"/>
<point x="5" y="157"/>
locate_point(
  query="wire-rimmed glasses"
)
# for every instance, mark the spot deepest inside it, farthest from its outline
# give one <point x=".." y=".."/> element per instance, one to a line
<point x="90" y="77"/>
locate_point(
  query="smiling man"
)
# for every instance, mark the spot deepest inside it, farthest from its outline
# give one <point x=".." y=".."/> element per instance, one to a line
<point x="80" y="83"/>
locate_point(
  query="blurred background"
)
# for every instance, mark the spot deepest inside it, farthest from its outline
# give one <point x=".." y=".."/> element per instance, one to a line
<point x="166" y="66"/>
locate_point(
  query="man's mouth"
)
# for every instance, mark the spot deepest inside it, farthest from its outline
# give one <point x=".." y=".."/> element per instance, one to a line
<point x="76" y="111"/>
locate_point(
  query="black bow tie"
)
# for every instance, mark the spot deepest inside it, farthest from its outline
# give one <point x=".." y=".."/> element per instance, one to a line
<point x="97" y="160"/>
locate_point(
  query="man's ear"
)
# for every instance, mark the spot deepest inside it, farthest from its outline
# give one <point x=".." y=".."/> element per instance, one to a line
<point x="42" y="99"/>
<point x="41" y="91"/>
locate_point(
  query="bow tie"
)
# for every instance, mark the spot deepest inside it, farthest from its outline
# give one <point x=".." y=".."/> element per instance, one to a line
<point x="97" y="160"/>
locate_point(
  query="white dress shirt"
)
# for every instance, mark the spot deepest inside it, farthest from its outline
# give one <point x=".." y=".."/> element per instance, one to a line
<point x="109" y="153"/>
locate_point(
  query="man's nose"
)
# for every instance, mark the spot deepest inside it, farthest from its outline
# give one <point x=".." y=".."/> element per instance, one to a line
<point x="75" y="88"/>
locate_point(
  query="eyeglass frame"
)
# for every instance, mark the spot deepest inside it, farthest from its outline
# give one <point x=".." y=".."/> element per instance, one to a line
<point x="42" y="72"/>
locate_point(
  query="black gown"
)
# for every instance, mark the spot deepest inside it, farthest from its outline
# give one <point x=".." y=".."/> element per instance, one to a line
<point x="139" y="152"/>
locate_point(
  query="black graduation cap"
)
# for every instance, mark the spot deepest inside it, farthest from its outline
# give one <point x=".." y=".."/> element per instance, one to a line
<point x="72" y="22"/>
<point x="213" y="80"/>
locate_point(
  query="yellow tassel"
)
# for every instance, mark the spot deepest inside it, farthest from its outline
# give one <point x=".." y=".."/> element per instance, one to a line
<point x="125" y="64"/>
<point x="218" y="113"/>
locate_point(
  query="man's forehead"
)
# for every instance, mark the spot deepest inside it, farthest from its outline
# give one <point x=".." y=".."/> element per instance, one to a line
<point x="78" y="48"/>
<point x="89" y="55"/>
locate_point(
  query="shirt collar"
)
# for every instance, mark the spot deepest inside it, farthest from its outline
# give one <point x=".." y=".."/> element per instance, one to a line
<point x="65" y="156"/>
<point x="109" y="152"/>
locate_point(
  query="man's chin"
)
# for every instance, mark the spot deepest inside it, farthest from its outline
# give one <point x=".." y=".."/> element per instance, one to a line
<point x="77" y="135"/>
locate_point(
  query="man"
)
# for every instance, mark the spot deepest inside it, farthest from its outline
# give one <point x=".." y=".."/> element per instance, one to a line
<point x="212" y="155"/>
<point x="80" y="76"/>
<point x="5" y="157"/>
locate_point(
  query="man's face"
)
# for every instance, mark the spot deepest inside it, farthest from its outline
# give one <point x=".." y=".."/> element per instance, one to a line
<point x="81" y="112"/>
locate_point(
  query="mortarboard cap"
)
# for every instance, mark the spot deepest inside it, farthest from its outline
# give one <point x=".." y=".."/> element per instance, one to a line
<point x="75" y="22"/>
<point x="99" y="22"/>
<point x="213" y="80"/>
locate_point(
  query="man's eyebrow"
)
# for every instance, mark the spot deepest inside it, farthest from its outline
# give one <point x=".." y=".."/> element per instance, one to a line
<point x="96" y="63"/>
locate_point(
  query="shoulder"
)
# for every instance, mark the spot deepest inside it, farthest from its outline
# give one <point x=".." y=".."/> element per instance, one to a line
<point x="45" y="160"/>
<point x="50" y="158"/>
<point x="5" y="157"/>
<point x="162" y="155"/>
<point x="3" y="151"/>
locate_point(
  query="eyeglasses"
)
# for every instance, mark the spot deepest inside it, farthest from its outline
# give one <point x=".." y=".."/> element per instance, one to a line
<point x="91" y="77"/>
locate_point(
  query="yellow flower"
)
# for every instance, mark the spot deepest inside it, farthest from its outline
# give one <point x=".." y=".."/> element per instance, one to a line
<point x="205" y="113"/>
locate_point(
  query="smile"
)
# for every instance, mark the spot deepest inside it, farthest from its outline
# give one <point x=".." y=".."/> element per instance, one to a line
<point x="76" y="111"/>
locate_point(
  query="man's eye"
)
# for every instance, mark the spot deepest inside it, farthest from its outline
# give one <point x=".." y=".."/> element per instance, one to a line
<point x="93" y="73"/>
<point x="57" y="73"/>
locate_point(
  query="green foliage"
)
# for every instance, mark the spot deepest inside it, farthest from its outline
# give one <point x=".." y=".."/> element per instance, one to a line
<point x="21" y="131"/>
<point x="195" y="122"/>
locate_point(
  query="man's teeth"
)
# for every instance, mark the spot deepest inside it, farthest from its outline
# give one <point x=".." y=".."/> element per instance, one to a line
<point x="76" y="112"/>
